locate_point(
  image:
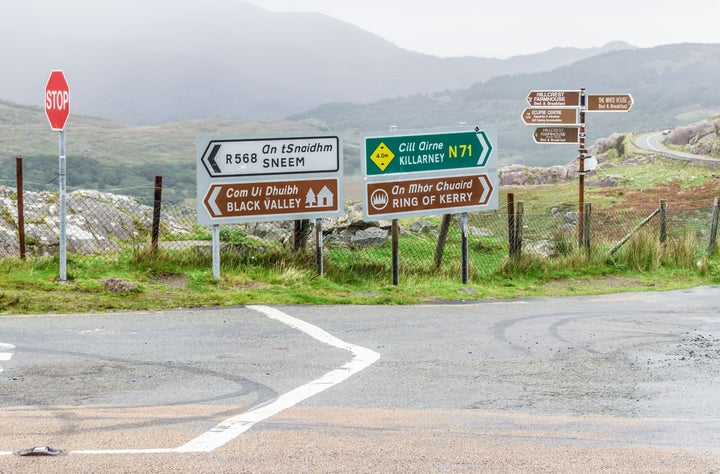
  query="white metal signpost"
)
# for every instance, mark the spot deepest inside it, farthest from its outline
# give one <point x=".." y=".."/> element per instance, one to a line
<point x="270" y="156"/>
<point x="57" y="110"/>
<point x="243" y="179"/>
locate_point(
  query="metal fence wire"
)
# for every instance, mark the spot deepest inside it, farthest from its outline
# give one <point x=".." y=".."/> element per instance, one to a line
<point x="105" y="223"/>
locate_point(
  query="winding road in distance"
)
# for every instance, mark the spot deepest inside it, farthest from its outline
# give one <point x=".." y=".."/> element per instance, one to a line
<point x="653" y="141"/>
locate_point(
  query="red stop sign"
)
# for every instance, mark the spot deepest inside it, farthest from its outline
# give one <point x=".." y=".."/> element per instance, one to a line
<point x="57" y="100"/>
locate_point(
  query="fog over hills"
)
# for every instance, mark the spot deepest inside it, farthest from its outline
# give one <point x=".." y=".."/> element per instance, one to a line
<point x="177" y="60"/>
<point x="671" y="85"/>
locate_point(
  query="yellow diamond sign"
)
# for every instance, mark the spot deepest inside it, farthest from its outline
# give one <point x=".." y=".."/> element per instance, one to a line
<point x="382" y="156"/>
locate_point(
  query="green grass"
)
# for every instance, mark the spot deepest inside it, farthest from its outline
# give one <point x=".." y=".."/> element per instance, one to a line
<point x="255" y="272"/>
<point x="184" y="278"/>
<point x="646" y="176"/>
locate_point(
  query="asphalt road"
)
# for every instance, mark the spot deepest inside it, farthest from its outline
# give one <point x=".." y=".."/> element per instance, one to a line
<point x="625" y="382"/>
<point x="653" y="141"/>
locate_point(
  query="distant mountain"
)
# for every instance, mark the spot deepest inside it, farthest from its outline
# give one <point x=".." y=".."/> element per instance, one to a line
<point x="106" y="155"/>
<point x="165" y="61"/>
<point x="671" y="85"/>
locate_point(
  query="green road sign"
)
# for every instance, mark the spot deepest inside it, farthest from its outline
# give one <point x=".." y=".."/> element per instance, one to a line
<point x="430" y="152"/>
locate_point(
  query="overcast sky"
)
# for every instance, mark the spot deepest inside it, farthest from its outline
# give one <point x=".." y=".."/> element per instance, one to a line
<point x="503" y="28"/>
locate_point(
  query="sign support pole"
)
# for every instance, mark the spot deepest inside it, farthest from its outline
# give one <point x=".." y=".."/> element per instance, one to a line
<point x="63" y="205"/>
<point x="319" y="246"/>
<point x="395" y="252"/>
<point x="216" y="251"/>
<point x="464" y="225"/>
<point x="581" y="171"/>
<point x="57" y="109"/>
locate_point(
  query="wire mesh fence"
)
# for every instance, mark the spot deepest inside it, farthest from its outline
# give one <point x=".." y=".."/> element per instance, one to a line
<point x="106" y="222"/>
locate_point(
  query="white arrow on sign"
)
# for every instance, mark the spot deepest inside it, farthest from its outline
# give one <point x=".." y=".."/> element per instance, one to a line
<point x="487" y="189"/>
<point x="212" y="201"/>
<point x="486" y="147"/>
<point x="271" y="156"/>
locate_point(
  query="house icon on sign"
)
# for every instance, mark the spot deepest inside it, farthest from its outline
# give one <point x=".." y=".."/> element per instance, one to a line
<point x="324" y="198"/>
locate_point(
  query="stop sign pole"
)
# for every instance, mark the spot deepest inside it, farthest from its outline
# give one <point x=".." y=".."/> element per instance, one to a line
<point x="57" y="110"/>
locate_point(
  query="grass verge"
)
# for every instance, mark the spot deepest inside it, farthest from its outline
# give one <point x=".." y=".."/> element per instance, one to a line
<point x="164" y="280"/>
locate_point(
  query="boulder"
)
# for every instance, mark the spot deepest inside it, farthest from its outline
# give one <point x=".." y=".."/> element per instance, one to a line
<point x="422" y="226"/>
<point x="95" y="222"/>
<point x="371" y="236"/>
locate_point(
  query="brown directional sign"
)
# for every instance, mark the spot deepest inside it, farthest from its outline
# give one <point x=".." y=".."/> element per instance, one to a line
<point x="457" y="193"/>
<point x="550" y="116"/>
<point x="554" y="98"/>
<point x="556" y="135"/>
<point x="292" y="198"/>
<point x="609" y="102"/>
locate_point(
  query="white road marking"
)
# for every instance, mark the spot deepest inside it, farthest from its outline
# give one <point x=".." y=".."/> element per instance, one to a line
<point x="5" y="356"/>
<point x="649" y="143"/>
<point x="231" y="428"/>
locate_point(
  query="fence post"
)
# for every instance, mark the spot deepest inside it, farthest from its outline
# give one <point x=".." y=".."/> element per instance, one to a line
<point x="635" y="229"/>
<point x="20" y="206"/>
<point x="441" y="240"/>
<point x="511" y="223"/>
<point x="302" y="228"/>
<point x="297" y="231"/>
<point x="586" y="226"/>
<point x="714" y="225"/>
<point x="519" y="213"/>
<point x="156" y="213"/>
<point x="663" y="221"/>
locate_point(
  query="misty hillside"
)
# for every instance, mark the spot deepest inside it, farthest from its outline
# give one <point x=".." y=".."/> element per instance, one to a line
<point x="154" y="64"/>
<point x="122" y="158"/>
<point x="671" y="85"/>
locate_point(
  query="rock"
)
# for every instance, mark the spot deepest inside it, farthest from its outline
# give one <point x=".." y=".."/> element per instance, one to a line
<point x="702" y="149"/>
<point x="606" y="182"/>
<point x="602" y="145"/>
<point x="517" y="175"/>
<point x="352" y="218"/>
<point x="118" y="285"/>
<point x="571" y="217"/>
<point x="701" y="138"/>
<point x="8" y="240"/>
<point x="561" y="210"/>
<point x="371" y="236"/>
<point x="422" y="226"/>
<point x="479" y="232"/>
<point x="272" y="231"/>
<point x="543" y="248"/>
<point x="96" y="222"/>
